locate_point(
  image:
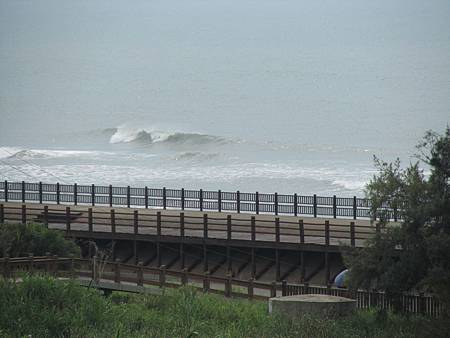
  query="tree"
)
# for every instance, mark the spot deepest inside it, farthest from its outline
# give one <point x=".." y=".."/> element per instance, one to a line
<point x="413" y="255"/>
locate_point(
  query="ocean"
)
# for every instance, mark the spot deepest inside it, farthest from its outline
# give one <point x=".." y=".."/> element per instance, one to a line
<point x="270" y="96"/>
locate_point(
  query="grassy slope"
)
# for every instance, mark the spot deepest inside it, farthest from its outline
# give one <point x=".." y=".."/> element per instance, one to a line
<point x="44" y="307"/>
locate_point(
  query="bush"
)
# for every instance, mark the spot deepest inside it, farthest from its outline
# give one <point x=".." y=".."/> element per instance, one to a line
<point x="21" y="239"/>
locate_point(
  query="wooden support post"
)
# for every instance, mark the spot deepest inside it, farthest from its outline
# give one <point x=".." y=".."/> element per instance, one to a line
<point x="301" y="229"/>
<point x="334" y="206"/>
<point x="277" y="264"/>
<point x="229" y="263"/>
<point x="238" y="201"/>
<point x="46" y="215"/>
<point x="228" y="285"/>
<point x="158" y="224"/>
<point x="277" y="230"/>
<point x="206" y="282"/>
<point x="164" y="198"/>
<point x="184" y="277"/>
<point x="136" y="222"/>
<point x="327" y="233"/>
<point x="117" y="271"/>
<point x="284" y="288"/>
<point x="182" y="225"/>
<point x="75" y="194"/>
<point x="327" y="266"/>
<point x="90" y="220"/>
<point x="354" y="207"/>
<point x="200" y="199"/>
<point x="140" y="274"/>
<point x="253" y="229"/>
<point x="110" y="195"/>
<point x="302" y="266"/>
<point x="250" y="291"/>
<point x="128" y="196"/>
<point x="219" y="201"/>
<point x="57" y="193"/>
<point x="135" y="251"/>
<point x="113" y="221"/>
<point x="162" y="276"/>
<point x="229" y="229"/>
<point x="93" y="195"/>
<point x="352" y="234"/>
<point x="315" y="205"/>
<point x="182" y="198"/>
<point x="205" y="257"/>
<point x="182" y="258"/>
<point x="158" y="253"/>
<point x="273" y="289"/>
<point x="6" y="191"/>
<point x="68" y="220"/>
<point x="257" y="203"/>
<point x="2" y="213"/>
<point x="158" y="237"/>
<point x="205" y="227"/>
<point x="295" y="205"/>
<point x="276" y="203"/>
<point x="40" y="192"/>
<point x="253" y="262"/>
<point x="23" y="191"/>
<point x="24" y="213"/>
<point x="146" y="197"/>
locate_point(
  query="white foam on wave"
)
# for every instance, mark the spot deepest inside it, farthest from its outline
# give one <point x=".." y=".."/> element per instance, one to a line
<point x="30" y="154"/>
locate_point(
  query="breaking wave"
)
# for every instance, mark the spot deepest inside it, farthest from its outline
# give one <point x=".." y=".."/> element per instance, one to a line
<point x="30" y="154"/>
<point x="144" y="136"/>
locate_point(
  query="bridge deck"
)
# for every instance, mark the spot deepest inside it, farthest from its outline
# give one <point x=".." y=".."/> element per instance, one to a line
<point x="173" y="225"/>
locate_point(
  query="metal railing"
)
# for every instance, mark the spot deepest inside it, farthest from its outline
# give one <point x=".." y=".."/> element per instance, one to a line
<point x="186" y="199"/>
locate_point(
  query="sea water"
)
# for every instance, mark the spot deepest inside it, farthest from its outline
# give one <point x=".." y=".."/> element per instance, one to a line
<point x="287" y="96"/>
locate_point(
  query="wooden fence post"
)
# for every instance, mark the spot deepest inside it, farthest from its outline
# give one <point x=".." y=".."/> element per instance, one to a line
<point x="253" y="228"/>
<point x="46" y="215"/>
<point x="113" y="221"/>
<point x="277" y="230"/>
<point x="182" y="225"/>
<point x="146" y="197"/>
<point x="162" y="276"/>
<point x="301" y="227"/>
<point x="228" y="285"/>
<point x="24" y="214"/>
<point x="257" y="203"/>
<point x="315" y="205"/>
<point x="136" y="222"/>
<point x="352" y="234"/>
<point x="206" y="282"/>
<point x="93" y="195"/>
<point x="40" y="192"/>
<point x="184" y="277"/>
<point x="284" y="288"/>
<point x="200" y="199"/>
<point x="23" y="191"/>
<point x="2" y="213"/>
<point x="140" y="274"/>
<point x="327" y="233"/>
<point x="110" y="193"/>
<point x="6" y="191"/>
<point x="273" y="289"/>
<point x="250" y="288"/>
<point x="354" y="207"/>
<point x="68" y="219"/>
<point x="90" y="220"/>
<point x="128" y="196"/>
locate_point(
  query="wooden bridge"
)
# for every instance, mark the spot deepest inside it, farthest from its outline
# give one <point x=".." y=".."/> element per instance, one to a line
<point x="116" y="276"/>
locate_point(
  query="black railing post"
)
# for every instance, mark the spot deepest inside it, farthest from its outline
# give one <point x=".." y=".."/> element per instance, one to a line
<point x="110" y="196"/>
<point x="23" y="191"/>
<point x="93" y="195"/>
<point x="257" y="203"/>
<point x="90" y="220"/>
<point x="238" y="201"/>
<point x="276" y="203"/>
<point x="354" y="207"/>
<point x="75" y="194"/>
<point x="146" y="197"/>
<point x="40" y="192"/>
<point x="6" y="191"/>
<point x="164" y="198"/>
<point x="219" y="201"/>
<point x="67" y="219"/>
<point x="295" y="205"/>
<point x="315" y="205"/>
<point x="128" y="196"/>
<point x="200" y="199"/>
<point x="57" y="193"/>
<point x="334" y="206"/>
<point x="182" y="198"/>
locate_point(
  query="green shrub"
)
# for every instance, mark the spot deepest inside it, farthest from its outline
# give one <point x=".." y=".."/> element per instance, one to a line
<point x="20" y="239"/>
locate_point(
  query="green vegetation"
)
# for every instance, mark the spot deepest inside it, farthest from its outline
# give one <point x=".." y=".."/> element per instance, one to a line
<point x="414" y="256"/>
<point x="44" y="307"/>
<point x="21" y="239"/>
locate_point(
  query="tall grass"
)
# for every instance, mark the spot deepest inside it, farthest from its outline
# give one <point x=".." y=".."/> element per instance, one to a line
<point x="44" y="307"/>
